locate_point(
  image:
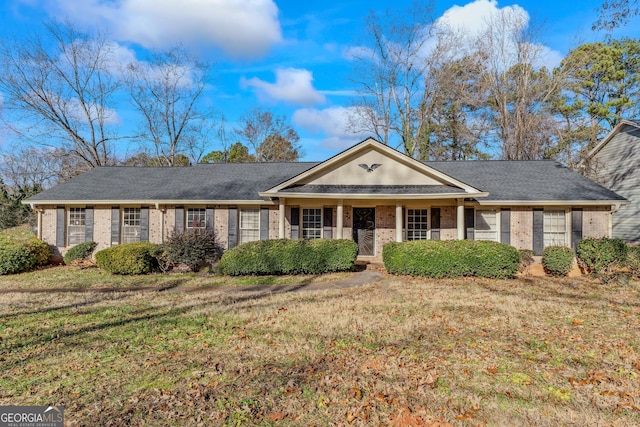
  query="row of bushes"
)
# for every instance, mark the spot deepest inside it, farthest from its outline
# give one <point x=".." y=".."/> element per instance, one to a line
<point x="16" y="257"/>
<point x="604" y="258"/>
<point x="285" y="256"/>
<point x="451" y="258"/>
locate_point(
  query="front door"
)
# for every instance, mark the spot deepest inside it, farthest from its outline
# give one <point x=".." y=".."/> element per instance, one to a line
<point x="364" y="230"/>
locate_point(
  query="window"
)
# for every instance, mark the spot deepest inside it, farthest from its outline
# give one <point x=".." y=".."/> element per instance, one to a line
<point x="249" y="225"/>
<point x="311" y="223"/>
<point x="417" y="224"/>
<point x="555" y="228"/>
<point x="77" y="225"/>
<point x="486" y="227"/>
<point x="196" y="219"/>
<point x="130" y="225"/>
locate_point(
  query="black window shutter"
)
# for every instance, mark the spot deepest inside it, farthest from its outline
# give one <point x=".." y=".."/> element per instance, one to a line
<point x="60" y="222"/>
<point x="264" y="223"/>
<point x="88" y="224"/>
<point x="179" y="224"/>
<point x="233" y="228"/>
<point x="470" y="223"/>
<point x="435" y="223"/>
<point x="115" y="225"/>
<point x="576" y="227"/>
<point x="327" y="223"/>
<point x="295" y="223"/>
<point x="538" y="231"/>
<point x="210" y="219"/>
<point x="144" y="224"/>
<point x="505" y="226"/>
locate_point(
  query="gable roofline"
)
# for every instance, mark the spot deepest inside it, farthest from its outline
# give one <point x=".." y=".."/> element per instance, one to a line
<point x="611" y="134"/>
<point x="376" y="145"/>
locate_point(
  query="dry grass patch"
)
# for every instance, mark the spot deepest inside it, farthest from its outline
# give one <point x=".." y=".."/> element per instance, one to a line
<point x="541" y="352"/>
<point x="90" y="277"/>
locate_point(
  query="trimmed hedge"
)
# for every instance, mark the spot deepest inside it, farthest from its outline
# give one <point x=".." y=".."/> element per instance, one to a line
<point x="284" y="256"/>
<point x="599" y="256"/>
<point x="557" y="260"/>
<point x="15" y="258"/>
<point x="129" y="258"/>
<point x="451" y="258"/>
<point x="79" y="251"/>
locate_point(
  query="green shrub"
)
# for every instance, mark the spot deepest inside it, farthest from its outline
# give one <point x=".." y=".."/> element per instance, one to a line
<point x="129" y="258"/>
<point x="451" y="258"/>
<point x="79" y="251"/>
<point x="191" y="248"/>
<point x="15" y="258"/>
<point x="602" y="256"/>
<point x="557" y="260"/>
<point x="633" y="261"/>
<point x="526" y="259"/>
<point x="286" y="256"/>
<point x="41" y="251"/>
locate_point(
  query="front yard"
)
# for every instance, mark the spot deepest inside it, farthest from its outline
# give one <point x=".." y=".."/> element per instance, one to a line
<point x="541" y="352"/>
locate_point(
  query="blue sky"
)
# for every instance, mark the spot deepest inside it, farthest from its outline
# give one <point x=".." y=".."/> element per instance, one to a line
<point x="289" y="56"/>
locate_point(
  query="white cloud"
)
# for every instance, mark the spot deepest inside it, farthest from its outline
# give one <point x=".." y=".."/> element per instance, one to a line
<point x="292" y="85"/>
<point x="242" y="28"/>
<point x="474" y="19"/>
<point x="332" y="122"/>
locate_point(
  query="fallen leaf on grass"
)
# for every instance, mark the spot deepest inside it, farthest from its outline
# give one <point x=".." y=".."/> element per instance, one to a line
<point x="276" y="416"/>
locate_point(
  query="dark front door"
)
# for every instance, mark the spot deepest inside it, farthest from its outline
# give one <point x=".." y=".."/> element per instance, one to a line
<point x="364" y="230"/>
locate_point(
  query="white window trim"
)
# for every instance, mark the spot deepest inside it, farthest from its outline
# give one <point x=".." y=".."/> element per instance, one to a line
<point x="567" y="225"/>
<point x="186" y="218"/>
<point x="69" y="225"/>
<point x="406" y="219"/>
<point x="302" y="209"/>
<point x="240" y="228"/>
<point x="124" y="227"/>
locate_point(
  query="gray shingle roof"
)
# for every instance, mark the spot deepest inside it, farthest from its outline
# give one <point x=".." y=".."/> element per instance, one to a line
<point x="503" y="180"/>
<point x="221" y="181"/>
<point x="526" y="180"/>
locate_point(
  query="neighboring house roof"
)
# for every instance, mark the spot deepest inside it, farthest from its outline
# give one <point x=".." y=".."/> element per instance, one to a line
<point x="488" y="181"/>
<point x="610" y="135"/>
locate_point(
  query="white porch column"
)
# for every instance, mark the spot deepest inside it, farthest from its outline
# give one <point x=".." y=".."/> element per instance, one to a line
<point x="339" y="220"/>
<point x="460" y="219"/>
<point x="281" y="215"/>
<point x="398" y="221"/>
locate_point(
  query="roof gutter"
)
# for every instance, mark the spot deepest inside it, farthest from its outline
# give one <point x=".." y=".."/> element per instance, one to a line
<point x="373" y="196"/>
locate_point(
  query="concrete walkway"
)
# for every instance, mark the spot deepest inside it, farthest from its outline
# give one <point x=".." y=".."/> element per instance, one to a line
<point x="359" y="278"/>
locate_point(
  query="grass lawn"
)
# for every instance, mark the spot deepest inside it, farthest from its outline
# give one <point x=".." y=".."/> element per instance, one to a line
<point x="403" y="352"/>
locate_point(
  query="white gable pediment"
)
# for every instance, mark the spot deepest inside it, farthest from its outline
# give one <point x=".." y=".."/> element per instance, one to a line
<point x="372" y="164"/>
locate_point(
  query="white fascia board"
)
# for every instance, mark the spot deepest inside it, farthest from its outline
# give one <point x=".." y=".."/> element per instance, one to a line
<point x="552" y="202"/>
<point x="148" y="202"/>
<point x="373" y="196"/>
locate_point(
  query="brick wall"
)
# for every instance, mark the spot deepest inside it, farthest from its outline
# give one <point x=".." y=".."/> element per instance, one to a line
<point x="156" y="225"/>
<point x="595" y="222"/>
<point x="522" y="227"/>
<point x="221" y="225"/>
<point x="48" y="225"/>
<point x="385" y="227"/>
<point x="102" y="227"/>
<point x="448" y="223"/>
<point x="274" y="222"/>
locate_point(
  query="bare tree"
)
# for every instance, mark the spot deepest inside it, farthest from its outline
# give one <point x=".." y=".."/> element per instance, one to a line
<point x="394" y="78"/>
<point x="58" y="91"/>
<point x="616" y="13"/>
<point x="31" y="167"/>
<point x="166" y="91"/>
<point x="520" y="92"/>
<point x="270" y="136"/>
